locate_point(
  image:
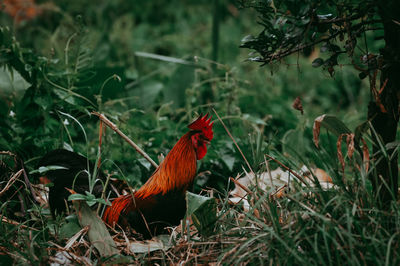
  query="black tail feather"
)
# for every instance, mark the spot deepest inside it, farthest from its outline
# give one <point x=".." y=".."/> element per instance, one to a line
<point x="75" y="177"/>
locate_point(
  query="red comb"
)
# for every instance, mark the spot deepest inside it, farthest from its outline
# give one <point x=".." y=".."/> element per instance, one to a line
<point x="203" y="124"/>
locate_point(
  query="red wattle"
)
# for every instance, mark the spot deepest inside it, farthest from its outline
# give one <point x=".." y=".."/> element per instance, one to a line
<point x="201" y="151"/>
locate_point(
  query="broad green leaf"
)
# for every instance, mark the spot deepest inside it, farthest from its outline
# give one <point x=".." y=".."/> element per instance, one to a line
<point x="44" y="169"/>
<point x="228" y="160"/>
<point x="90" y="196"/>
<point x="68" y="147"/>
<point x="164" y="58"/>
<point x="325" y="16"/>
<point x="317" y="62"/>
<point x="203" y="211"/>
<point x="147" y="92"/>
<point x="293" y="141"/>
<point x="12" y="81"/>
<point x="63" y="95"/>
<point x="145" y="163"/>
<point x="43" y="101"/>
<point x="69" y="229"/>
<point x="253" y="119"/>
<point x="77" y="197"/>
<point x="161" y="242"/>
<point x="98" y="233"/>
<point x="91" y="202"/>
<point x="360" y="130"/>
<point x="248" y="38"/>
<point x="180" y="80"/>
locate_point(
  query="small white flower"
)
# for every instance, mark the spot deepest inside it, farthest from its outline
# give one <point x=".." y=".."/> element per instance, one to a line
<point x="66" y="123"/>
<point x="12" y="114"/>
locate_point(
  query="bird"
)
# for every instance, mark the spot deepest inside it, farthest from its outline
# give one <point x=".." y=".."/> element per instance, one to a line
<point x="161" y="201"/>
<point x="72" y="172"/>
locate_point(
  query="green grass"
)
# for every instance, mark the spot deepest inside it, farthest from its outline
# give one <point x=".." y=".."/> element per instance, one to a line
<point x="67" y="60"/>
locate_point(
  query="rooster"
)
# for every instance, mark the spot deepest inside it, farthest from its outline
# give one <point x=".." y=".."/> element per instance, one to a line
<point x="72" y="173"/>
<point x="161" y="202"/>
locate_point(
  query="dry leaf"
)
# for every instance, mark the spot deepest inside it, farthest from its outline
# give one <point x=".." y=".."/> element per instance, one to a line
<point x="378" y="97"/>
<point x="350" y="144"/>
<point x="317" y="128"/>
<point x="276" y="182"/>
<point x="298" y="105"/>
<point x="339" y="151"/>
<point x="365" y="155"/>
<point x="321" y="175"/>
<point x="280" y="193"/>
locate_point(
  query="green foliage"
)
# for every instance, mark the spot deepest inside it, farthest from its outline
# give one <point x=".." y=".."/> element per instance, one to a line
<point x="335" y="26"/>
<point x="145" y="66"/>
<point x="203" y="211"/>
<point x="313" y="225"/>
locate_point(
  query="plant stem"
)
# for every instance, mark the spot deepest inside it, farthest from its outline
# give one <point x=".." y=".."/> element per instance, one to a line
<point x="119" y="132"/>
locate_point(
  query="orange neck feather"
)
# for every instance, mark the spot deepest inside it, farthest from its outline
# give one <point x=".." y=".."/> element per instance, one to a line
<point x="177" y="171"/>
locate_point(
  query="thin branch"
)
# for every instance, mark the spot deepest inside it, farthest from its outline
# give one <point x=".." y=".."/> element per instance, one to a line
<point x="9" y="221"/>
<point x="28" y="183"/>
<point x="119" y="132"/>
<point x="335" y="20"/>
<point x="248" y="191"/>
<point x="18" y="162"/>
<point x="277" y="56"/>
<point x="7" y="153"/>
<point x="234" y="141"/>
<point x="11" y="181"/>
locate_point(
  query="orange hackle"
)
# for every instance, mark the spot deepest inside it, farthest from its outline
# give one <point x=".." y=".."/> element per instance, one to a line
<point x="112" y="213"/>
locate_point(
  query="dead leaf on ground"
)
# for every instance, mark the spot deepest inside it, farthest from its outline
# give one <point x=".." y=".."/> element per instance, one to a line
<point x="275" y="183"/>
